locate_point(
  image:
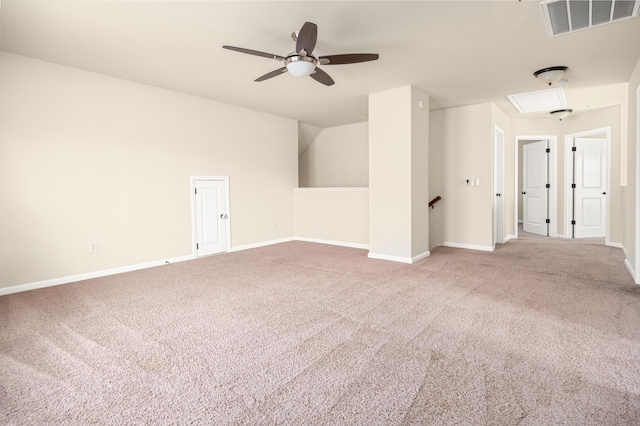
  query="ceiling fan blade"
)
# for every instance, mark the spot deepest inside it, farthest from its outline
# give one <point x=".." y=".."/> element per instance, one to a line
<point x="348" y="58"/>
<point x="307" y="38"/>
<point x="272" y="74"/>
<point x="255" y="52"/>
<point x="322" y="77"/>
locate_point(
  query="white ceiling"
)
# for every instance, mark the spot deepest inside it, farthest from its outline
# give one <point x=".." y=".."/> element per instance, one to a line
<point x="461" y="53"/>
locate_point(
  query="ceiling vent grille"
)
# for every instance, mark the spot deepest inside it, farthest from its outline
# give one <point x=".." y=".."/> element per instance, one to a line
<point x="565" y="16"/>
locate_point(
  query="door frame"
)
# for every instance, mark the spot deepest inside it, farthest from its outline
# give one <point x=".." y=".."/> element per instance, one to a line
<point x="553" y="181"/>
<point x="194" y="231"/>
<point x="568" y="176"/>
<point x="498" y="185"/>
<point x="636" y="267"/>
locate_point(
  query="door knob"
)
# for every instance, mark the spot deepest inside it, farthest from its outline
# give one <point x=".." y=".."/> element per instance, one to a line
<point x="223" y="216"/>
<point x="524" y="193"/>
<point x="497" y="195"/>
<point x="604" y="193"/>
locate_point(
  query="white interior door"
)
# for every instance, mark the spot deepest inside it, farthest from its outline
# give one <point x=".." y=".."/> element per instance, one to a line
<point x="498" y="186"/>
<point x="211" y="216"/>
<point x="590" y="206"/>
<point x="534" y="188"/>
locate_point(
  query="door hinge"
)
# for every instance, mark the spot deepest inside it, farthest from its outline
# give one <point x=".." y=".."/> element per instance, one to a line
<point x="195" y="191"/>
<point x="548" y="221"/>
<point x="573" y="222"/>
<point x="548" y="150"/>
<point x="197" y="246"/>
<point x="574" y="149"/>
<point x="548" y="185"/>
<point x="573" y="185"/>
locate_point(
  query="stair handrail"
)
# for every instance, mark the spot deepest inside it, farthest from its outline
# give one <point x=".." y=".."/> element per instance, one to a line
<point x="435" y="200"/>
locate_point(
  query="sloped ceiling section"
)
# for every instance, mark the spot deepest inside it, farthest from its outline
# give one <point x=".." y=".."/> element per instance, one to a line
<point x="307" y="133"/>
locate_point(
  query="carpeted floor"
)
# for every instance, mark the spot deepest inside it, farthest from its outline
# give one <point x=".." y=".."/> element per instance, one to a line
<point x="539" y="332"/>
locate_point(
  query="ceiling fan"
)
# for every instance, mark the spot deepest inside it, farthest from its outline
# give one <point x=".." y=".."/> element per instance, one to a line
<point x="302" y="63"/>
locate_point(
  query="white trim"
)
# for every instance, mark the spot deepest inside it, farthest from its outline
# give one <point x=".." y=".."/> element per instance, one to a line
<point x="498" y="183"/>
<point x="568" y="174"/>
<point x="419" y="257"/>
<point x="333" y="243"/>
<point x="636" y="277"/>
<point x="553" y="180"/>
<point x="334" y="189"/>
<point x="468" y="246"/>
<point x="509" y="237"/>
<point x="409" y="260"/>
<point x="399" y="259"/>
<point x="616" y="245"/>
<point x="194" y="237"/>
<point x="91" y="275"/>
<point x="637" y="209"/>
<point x="260" y="244"/>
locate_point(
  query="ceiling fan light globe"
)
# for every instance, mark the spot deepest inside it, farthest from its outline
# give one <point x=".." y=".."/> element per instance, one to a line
<point x="300" y="66"/>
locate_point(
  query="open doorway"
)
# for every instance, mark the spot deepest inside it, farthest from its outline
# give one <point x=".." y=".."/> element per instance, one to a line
<point x="536" y="205"/>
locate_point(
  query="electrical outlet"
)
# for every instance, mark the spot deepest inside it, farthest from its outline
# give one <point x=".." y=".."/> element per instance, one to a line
<point x="93" y="247"/>
<point x="274" y="224"/>
<point x="379" y="233"/>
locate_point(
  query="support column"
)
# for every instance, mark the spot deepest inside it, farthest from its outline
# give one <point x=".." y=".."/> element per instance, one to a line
<point x="398" y="175"/>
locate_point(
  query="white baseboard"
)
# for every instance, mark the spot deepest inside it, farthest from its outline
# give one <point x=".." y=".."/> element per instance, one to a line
<point x="635" y="277"/>
<point x="508" y="237"/>
<point x="409" y="260"/>
<point x="387" y="257"/>
<point x="260" y="244"/>
<point x="90" y="275"/>
<point x="333" y="243"/>
<point x="122" y="269"/>
<point x="421" y="256"/>
<point x="468" y="246"/>
<point x="616" y="245"/>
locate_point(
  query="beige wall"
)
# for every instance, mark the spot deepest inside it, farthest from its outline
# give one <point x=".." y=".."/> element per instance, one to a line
<point x="461" y="148"/>
<point x="419" y="172"/>
<point x="336" y="215"/>
<point x="466" y="137"/>
<point x="87" y="157"/>
<point x="337" y="157"/>
<point x="398" y="174"/>
<point x="630" y="193"/>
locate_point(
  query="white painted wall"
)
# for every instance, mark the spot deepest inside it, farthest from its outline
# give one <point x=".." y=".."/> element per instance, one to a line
<point x="631" y="195"/>
<point x="333" y="215"/>
<point x="466" y="135"/>
<point x="86" y="157"/>
<point x="398" y="174"/>
<point x="337" y="157"/>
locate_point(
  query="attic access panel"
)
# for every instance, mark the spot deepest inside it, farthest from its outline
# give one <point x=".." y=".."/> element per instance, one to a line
<point x="565" y="16"/>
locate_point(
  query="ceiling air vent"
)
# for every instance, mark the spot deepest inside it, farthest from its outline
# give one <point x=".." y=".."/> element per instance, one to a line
<point x="565" y="16"/>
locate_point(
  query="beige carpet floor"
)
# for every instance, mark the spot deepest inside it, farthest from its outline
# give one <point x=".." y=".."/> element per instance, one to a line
<point x="539" y="332"/>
